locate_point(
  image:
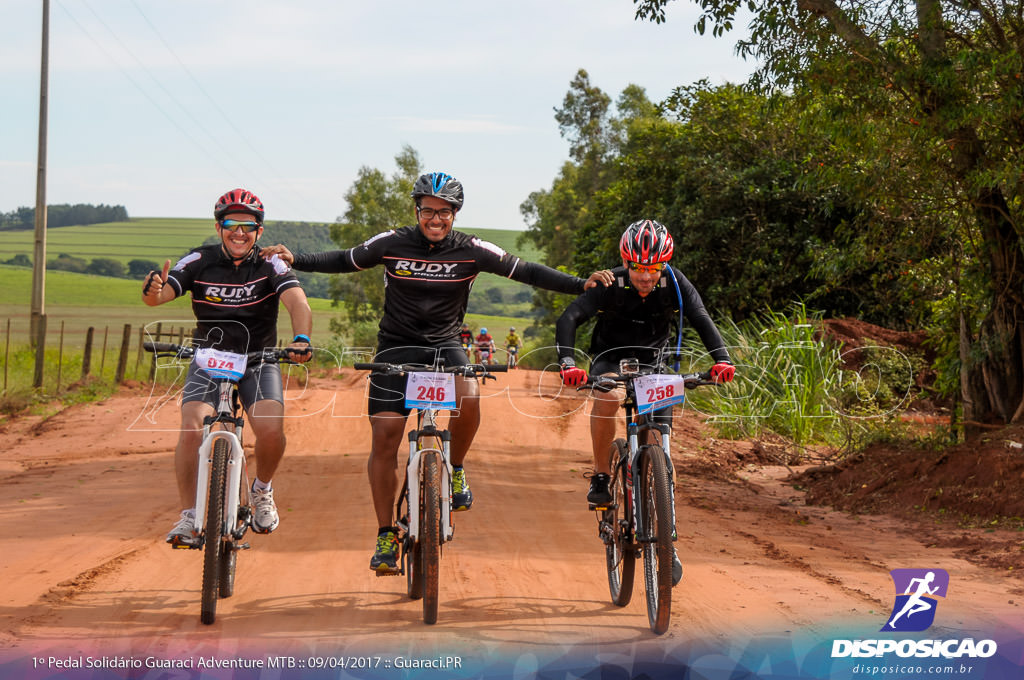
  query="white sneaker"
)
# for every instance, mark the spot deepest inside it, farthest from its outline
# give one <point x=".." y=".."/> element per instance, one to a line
<point x="264" y="511"/>
<point x="184" y="534"/>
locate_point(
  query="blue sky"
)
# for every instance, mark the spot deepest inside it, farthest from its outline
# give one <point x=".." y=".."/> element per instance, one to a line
<point x="162" y="106"/>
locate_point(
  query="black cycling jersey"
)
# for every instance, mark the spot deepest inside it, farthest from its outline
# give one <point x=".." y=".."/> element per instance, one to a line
<point x="427" y="284"/>
<point x="627" y="320"/>
<point x="235" y="306"/>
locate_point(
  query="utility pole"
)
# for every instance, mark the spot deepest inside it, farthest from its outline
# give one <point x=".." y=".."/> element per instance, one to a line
<point x="38" y="325"/>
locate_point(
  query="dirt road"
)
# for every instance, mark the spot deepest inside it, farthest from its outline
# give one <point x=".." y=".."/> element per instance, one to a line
<point x="88" y="495"/>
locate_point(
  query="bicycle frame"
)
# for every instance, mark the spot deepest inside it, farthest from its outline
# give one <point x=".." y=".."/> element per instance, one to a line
<point x="427" y="427"/>
<point x="635" y="426"/>
<point x="236" y="461"/>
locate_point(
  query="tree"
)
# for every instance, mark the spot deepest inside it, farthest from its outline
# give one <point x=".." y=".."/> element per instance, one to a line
<point x="140" y="268"/>
<point x="376" y="203"/>
<point x="105" y="266"/>
<point x="948" y="76"/>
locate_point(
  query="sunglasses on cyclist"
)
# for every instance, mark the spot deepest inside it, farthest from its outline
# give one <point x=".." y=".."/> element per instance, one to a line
<point x="443" y="213"/>
<point x="235" y="225"/>
<point x="647" y="268"/>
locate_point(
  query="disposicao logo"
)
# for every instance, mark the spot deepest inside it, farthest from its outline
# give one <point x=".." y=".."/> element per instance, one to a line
<point x="917" y="593"/>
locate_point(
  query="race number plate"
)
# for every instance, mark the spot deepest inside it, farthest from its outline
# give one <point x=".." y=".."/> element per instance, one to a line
<point x="658" y="391"/>
<point x="435" y="390"/>
<point x="221" y="364"/>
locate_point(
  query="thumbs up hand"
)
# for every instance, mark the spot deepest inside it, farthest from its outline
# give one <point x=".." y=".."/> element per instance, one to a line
<point x="154" y="285"/>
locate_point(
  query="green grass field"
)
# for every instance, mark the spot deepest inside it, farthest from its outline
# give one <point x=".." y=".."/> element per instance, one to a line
<point x="80" y="301"/>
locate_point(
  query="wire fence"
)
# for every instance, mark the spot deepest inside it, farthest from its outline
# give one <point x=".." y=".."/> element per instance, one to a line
<point x="110" y="354"/>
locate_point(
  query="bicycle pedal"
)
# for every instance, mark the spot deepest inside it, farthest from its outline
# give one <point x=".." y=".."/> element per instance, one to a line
<point x="601" y="507"/>
<point x="388" y="572"/>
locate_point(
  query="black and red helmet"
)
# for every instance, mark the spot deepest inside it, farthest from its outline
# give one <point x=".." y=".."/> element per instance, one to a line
<point x="239" y="200"/>
<point x="442" y="185"/>
<point x="646" y="242"/>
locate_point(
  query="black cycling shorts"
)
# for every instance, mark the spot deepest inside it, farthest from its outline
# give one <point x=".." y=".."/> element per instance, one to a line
<point x="604" y="364"/>
<point x="260" y="381"/>
<point x="387" y="392"/>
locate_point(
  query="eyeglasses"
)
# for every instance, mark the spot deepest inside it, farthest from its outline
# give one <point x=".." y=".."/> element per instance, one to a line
<point x="647" y="268"/>
<point x="443" y="213"/>
<point x="235" y="225"/>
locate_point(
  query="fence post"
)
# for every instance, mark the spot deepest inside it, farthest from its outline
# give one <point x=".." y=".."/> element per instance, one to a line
<point x="152" y="361"/>
<point x="60" y="356"/>
<point x="103" y="354"/>
<point x="7" y="353"/>
<point x="122" y="358"/>
<point x="138" y="354"/>
<point x="40" y="340"/>
<point x="87" y="356"/>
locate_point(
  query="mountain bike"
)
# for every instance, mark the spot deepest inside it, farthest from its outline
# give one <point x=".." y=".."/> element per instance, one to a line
<point x="424" y="506"/>
<point x="223" y="505"/>
<point x="513" y="355"/>
<point x="640" y="520"/>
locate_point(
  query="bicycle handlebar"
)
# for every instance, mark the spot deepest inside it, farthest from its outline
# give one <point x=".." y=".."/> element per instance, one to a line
<point x="606" y="383"/>
<point x="267" y="356"/>
<point x="466" y="371"/>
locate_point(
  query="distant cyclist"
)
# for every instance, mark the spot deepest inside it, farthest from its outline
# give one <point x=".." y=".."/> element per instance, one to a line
<point x="636" y="317"/>
<point x="235" y="297"/>
<point x="429" y="269"/>
<point x="512" y="345"/>
<point x="484" y="347"/>
<point x="466" y="339"/>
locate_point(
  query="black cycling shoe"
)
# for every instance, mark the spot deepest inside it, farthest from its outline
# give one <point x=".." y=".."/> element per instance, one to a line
<point x="599" y="493"/>
<point x="462" y="497"/>
<point x="385" y="557"/>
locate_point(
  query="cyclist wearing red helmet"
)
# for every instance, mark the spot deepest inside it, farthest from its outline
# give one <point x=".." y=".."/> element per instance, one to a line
<point x="429" y="269"/>
<point x="635" y="318"/>
<point x="235" y="298"/>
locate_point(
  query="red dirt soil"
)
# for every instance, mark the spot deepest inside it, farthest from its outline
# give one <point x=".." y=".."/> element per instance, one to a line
<point x="88" y="495"/>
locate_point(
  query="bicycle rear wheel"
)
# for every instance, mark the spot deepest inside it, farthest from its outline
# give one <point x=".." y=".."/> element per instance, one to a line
<point x="655" y="500"/>
<point x="212" y="542"/>
<point x="614" y="528"/>
<point x="430" y="533"/>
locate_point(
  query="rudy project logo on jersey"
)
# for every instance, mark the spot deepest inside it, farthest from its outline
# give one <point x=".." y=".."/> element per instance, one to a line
<point x="917" y="591"/>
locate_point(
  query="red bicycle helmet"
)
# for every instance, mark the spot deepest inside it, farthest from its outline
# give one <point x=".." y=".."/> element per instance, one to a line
<point x="239" y="200"/>
<point x="646" y="242"/>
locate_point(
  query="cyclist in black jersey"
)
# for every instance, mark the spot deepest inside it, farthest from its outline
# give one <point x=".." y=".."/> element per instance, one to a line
<point x="636" y="317"/>
<point x="235" y="297"/>
<point x="429" y="270"/>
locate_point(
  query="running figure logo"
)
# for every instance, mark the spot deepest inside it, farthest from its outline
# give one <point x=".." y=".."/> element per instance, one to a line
<point x="917" y="591"/>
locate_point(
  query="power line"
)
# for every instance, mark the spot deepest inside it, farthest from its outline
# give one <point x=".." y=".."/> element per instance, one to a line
<point x="139" y="87"/>
<point x="213" y="102"/>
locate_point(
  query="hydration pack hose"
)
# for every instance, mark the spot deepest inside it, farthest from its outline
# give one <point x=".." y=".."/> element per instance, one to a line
<point x="679" y="328"/>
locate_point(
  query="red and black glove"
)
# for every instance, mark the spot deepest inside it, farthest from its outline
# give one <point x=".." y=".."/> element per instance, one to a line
<point x="722" y="372"/>
<point x="571" y="375"/>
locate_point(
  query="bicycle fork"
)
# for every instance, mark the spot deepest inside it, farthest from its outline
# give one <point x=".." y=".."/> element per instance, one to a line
<point x="233" y="479"/>
<point x="414" y="477"/>
<point x="634" y="449"/>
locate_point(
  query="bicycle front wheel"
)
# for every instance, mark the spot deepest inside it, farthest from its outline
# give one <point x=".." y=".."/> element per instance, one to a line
<point x="212" y="542"/>
<point x="230" y="548"/>
<point x="614" y="529"/>
<point x="656" y="509"/>
<point x="430" y="533"/>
